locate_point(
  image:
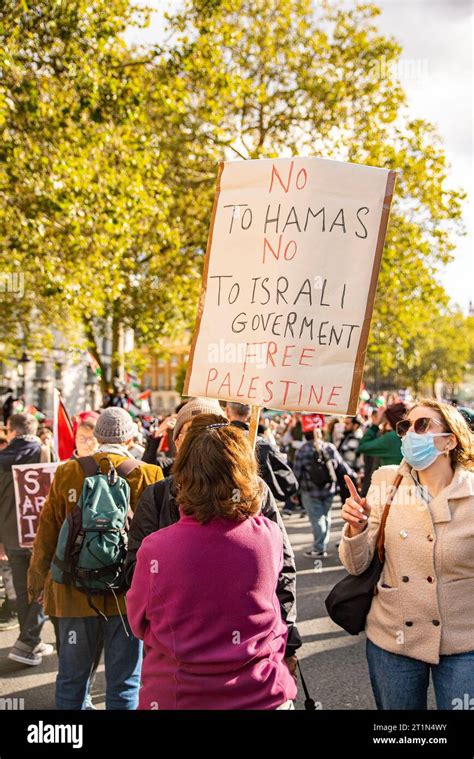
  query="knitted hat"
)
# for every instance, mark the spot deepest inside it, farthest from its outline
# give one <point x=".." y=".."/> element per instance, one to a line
<point x="195" y="407"/>
<point x="114" y="425"/>
<point x="395" y="413"/>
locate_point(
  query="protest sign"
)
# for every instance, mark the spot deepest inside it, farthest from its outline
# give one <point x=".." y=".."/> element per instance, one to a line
<point x="310" y="422"/>
<point x="32" y="483"/>
<point x="289" y="283"/>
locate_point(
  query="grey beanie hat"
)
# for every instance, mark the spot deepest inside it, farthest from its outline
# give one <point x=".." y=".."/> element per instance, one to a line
<point x="195" y="407"/>
<point x="114" y="425"/>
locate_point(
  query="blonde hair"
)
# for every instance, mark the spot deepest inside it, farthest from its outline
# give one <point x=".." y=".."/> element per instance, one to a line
<point x="463" y="453"/>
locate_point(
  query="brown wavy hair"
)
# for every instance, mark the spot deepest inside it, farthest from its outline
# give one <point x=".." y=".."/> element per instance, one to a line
<point x="454" y="422"/>
<point x="216" y="472"/>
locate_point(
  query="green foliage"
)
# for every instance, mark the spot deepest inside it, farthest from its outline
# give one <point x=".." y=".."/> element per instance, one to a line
<point x="109" y="154"/>
<point x="89" y="210"/>
<point x="180" y="377"/>
<point x="440" y="351"/>
<point x="283" y="77"/>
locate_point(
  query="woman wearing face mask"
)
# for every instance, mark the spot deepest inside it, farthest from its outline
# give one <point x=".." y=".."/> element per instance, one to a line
<point x="422" y="616"/>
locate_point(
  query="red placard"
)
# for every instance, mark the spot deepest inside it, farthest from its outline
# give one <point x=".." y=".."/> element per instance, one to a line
<point x="310" y="422"/>
<point x="32" y="483"/>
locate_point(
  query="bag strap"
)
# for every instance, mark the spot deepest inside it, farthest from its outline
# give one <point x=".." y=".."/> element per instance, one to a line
<point x="381" y="534"/>
<point x="88" y="465"/>
<point x="127" y="467"/>
<point x="309" y="704"/>
<point x="322" y="453"/>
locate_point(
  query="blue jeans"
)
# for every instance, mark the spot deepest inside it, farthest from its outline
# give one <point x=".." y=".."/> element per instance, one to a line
<point x="88" y="704"/>
<point x="122" y="658"/>
<point x="30" y="615"/>
<point x="318" y="509"/>
<point x="400" y="682"/>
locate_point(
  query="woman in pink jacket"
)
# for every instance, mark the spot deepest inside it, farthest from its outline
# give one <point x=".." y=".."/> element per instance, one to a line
<point x="203" y="597"/>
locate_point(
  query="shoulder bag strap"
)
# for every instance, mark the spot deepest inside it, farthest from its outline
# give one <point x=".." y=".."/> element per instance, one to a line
<point x="309" y="704"/>
<point x="126" y="467"/>
<point x="88" y="465"/>
<point x="381" y="534"/>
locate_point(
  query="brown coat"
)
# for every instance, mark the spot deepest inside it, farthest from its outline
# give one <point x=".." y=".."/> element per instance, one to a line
<point x="424" y="605"/>
<point x="64" y="600"/>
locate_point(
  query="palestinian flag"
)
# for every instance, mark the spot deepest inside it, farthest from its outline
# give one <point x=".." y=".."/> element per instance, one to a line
<point x="133" y="409"/>
<point x="94" y="364"/>
<point x="132" y="380"/>
<point x="62" y="429"/>
<point x="143" y="402"/>
<point x="35" y="412"/>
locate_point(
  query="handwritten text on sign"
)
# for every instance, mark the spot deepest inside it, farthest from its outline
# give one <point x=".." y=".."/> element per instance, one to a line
<point x="292" y="262"/>
<point x="32" y="483"/>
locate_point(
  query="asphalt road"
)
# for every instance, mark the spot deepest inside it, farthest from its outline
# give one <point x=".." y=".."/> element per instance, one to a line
<point x="332" y="661"/>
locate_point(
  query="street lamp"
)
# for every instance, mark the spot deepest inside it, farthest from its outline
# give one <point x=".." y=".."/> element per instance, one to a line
<point x="22" y="362"/>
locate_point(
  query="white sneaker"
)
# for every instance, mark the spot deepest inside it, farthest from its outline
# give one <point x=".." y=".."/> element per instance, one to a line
<point x="43" y="649"/>
<point x="31" y="656"/>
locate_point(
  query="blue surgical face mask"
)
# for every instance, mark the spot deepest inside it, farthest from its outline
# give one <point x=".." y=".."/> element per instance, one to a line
<point x="419" y="451"/>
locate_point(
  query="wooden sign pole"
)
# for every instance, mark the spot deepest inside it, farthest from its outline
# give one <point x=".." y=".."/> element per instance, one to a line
<point x="254" y="417"/>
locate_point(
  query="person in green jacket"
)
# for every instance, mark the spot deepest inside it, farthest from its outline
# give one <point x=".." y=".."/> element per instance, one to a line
<point x="380" y="439"/>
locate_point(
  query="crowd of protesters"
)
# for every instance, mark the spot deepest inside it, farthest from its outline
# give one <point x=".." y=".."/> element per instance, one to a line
<point x="202" y="614"/>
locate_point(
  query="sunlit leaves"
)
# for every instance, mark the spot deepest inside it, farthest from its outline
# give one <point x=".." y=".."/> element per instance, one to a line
<point x="108" y="158"/>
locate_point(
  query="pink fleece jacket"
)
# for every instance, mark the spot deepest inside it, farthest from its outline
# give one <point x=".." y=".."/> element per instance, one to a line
<point x="203" y="599"/>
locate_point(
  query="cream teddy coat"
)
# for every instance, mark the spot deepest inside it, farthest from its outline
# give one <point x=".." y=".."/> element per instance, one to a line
<point x="424" y="601"/>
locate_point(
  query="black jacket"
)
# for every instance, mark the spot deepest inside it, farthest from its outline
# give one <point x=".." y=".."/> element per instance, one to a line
<point x="7" y="408"/>
<point x="152" y="455"/>
<point x="19" y="451"/>
<point x="157" y="508"/>
<point x="273" y="467"/>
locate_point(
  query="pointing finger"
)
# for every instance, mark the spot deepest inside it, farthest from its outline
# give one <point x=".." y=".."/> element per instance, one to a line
<point x="352" y="488"/>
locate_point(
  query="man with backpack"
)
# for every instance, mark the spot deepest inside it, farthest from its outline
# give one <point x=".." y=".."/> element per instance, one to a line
<point x="319" y="468"/>
<point x="77" y="563"/>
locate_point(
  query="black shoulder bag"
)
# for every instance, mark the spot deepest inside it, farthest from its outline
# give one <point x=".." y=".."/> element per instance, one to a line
<point x="350" y="600"/>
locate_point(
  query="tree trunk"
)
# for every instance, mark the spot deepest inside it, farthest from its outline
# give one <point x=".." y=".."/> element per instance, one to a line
<point x="118" y="358"/>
